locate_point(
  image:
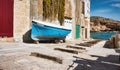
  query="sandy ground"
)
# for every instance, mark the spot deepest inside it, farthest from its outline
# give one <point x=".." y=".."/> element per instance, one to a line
<point x="16" y="56"/>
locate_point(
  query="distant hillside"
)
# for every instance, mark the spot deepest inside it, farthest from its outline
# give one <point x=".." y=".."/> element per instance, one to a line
<point x="104" y="24"/>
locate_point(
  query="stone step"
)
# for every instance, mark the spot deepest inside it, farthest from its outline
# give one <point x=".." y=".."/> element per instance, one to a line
<point x="6" y="39"/>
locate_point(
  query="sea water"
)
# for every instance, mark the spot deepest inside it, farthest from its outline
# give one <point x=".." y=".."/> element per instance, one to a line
<point x="103" y="35"/>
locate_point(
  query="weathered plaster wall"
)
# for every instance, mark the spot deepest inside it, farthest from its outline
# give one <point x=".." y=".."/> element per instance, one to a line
<point x="76" y="17"/>
<point x="21" y="18"/>
<point x="73" y="18"/>
<point x="84" y="21"/>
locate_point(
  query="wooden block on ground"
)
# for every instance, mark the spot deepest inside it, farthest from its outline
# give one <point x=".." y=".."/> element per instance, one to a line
<point x="85" y="44"/>
<point x="74" y="47"/>
<point x="94" y="41"/>
<point x="67" y="50"/>
<point x="49" y="57"/>
<point x="89" y="44"/>
<point x="36" y="42"/>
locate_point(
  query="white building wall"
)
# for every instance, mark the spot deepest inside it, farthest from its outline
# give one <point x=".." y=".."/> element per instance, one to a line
<point x="68" y="24"/>
<point x="87" y="8"/>
<point x="87" y="17"/>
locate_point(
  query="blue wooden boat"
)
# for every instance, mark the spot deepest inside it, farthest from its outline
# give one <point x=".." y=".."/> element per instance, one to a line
<point x="48" y="31"/>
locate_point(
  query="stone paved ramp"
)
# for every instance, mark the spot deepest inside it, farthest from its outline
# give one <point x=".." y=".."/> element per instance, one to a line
<point x="16" y="56"/>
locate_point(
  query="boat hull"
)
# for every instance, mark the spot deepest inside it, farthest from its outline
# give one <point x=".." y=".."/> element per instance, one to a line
<point x="45" y="32"/>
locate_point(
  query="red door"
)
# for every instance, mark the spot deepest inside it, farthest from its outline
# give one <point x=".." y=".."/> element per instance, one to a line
<point x="6" y="18"/>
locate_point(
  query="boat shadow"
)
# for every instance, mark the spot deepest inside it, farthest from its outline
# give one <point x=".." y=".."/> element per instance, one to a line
<point x="27" y="37"/>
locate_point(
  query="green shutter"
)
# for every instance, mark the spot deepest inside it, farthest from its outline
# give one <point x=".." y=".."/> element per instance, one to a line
<point x="77" y="31"/>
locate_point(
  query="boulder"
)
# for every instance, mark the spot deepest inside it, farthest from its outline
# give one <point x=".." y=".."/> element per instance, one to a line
<point x="115" y="41"/>
<point x="112" y="41"/>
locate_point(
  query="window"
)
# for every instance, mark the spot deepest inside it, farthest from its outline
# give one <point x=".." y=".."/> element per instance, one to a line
<point x="83" y="7"/>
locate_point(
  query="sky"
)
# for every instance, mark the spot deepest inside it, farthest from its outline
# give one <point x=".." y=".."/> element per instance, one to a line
<point x="106" y="8"/>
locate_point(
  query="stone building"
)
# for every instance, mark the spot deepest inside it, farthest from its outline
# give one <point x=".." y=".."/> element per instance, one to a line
<point x="79" y="11"/>
<point x="16" y="17"/>
<point x="17" y="24"/>
<point x="86" y="17"/>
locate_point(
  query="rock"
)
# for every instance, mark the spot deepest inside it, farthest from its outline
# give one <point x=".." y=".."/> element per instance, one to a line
<point x="112" y="42"/>
<point x="115" y="41"/>
<point x="103" y="24"/>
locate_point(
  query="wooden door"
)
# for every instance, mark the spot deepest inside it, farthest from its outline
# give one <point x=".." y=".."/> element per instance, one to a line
<point x="6" y="18"/>
<point x="77" y="31"/>
<point x="86" y="33"/>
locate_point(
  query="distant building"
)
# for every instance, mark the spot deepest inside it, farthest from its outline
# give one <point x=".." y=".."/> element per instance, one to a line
<point x="16" y="17"/>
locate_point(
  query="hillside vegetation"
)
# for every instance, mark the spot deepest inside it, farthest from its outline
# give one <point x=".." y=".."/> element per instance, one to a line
<point x="104" y="24"/>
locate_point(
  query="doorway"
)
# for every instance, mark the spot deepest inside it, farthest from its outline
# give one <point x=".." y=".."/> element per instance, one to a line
<point x="77" y="31"/>
<point x="6" y="18"/>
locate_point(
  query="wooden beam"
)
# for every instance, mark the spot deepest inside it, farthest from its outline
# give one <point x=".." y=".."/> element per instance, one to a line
<point x="89" y="44"/>
<point x="36" y="41"/>
<point x="49" y="57"/>
<point x="67" y="50"/>
<point x="74" y="47"/>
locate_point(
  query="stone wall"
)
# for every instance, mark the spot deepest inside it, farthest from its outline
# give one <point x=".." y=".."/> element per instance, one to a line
<point x="40" y="9"/>
<point x="34" y="9"/>
<point x="78" y="10"/>
<point x="68" y="8"/>
<point x="21" y="18"/>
